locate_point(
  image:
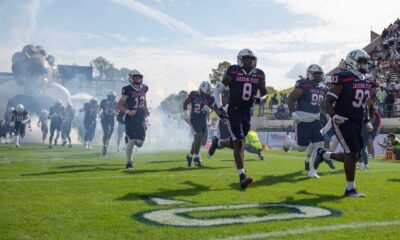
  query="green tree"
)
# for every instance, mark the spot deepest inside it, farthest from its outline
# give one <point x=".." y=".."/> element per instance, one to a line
<point x="218" y="73"/>
<point x="102" y="68"/>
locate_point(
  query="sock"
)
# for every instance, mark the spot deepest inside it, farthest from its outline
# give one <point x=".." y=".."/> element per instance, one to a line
<point x="351" y="185"/>
<point x="241" y="171"/>
<point x="129" y="151"/>
<point x="190" y="155"/>
<point x="196" y="155"/>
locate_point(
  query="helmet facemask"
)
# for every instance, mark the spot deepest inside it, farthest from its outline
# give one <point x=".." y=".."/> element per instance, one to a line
<point x="246" y="59"/>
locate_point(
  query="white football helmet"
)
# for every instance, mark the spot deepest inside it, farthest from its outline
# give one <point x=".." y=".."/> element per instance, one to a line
<point x="111" y="95"/>
<point x="20" y="108"/>
<point x="134" y="73"/>
<point x="246" y="53"/>
<point x="315" y="72"/>
<point x="58" y="102"/>
<point x="205" y="88"/>
<point x="357" y="60"/>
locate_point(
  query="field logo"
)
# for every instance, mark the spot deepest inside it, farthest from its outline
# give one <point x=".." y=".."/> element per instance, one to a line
<point x="180" y="216"/>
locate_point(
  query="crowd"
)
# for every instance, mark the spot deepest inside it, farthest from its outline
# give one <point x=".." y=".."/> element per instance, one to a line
<point x="385" y="65"/>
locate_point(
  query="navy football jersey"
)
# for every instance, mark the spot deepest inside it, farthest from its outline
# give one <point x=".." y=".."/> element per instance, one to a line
<point x="109" y="107"/>
<point x="243" y="86"/>
<point x="198" y="101"/>
<point x="313" y="95"/>
<point x="90" y="111"/>
<point x="136" y="99"/>
<point x="56" y="112"/>
<point x="354" y="95"/>
<point x="18" y="118"/>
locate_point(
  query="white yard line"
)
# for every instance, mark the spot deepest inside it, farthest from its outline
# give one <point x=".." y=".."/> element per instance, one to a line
<point x="311" y="230"/>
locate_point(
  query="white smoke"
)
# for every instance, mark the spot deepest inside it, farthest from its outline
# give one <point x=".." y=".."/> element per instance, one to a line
<point x="167" y="133"/>
<point x="35" y="136"/>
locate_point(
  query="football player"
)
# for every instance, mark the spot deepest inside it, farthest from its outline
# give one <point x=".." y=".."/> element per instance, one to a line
<point x="89" y="121"/>
<point x="133" y="105"/>
<point x="43" y="124"/>
<point x="20" y="119"/>
<point x="304" y="106"/>
<point x="8" y="128"/>
<point x="201" y="103"/>
<point x="56" y="116"/>
<point x="243" y="80"/>
<point x="345" y="103"/>
<point x="67" y="124"/>
<point x="109" y="110"/>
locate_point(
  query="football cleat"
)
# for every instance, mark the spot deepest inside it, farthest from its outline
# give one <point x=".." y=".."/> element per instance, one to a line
<point x="129" y="165"/>
<point x="245" y="182"/>
<point x="320" y="158"/>
<point x="104" y="151"/>
<point x="353" y="193"/>
<point x="213" y="147"/>
<point x="50" y="146"/>
<point x="197" y="161"/>
<point x="261" y="156"/>
<point x="313" y="174"/>
<point x="189" y="160"/>
<point x="307" y="166"/>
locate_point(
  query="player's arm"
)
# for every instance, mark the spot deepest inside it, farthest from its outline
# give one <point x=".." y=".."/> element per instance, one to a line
<point x="330" y="99"/>
<point x="263" y="90"/>
<point x="292" y="99"/>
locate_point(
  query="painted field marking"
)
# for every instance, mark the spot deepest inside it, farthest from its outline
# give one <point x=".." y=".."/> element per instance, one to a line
<point x="177" y="217"/>
<point x="312" y="230"/>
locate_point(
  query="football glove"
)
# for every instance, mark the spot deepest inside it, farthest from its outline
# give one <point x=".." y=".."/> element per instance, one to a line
<point x="222" y="113"/>
<point x="257" y="100"/>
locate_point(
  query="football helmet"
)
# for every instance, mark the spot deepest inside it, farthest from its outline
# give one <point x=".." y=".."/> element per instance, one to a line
<point x="357" y="60"/>
<point x="135" y="77"/>
<point x="246" y="53"/>
<point x="315" y="72"/>
<point x="20" y="108"/>
<point x="58" y="102"/>
<point x="93" y="100"/>
<point x="111" y="96"/>
<point x="205" y="88"/>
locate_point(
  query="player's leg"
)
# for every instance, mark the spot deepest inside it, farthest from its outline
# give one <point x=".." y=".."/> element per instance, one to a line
<point x="92" y="133"/>
<point x="239" y="126"/>
<point x="64" y="133"/>
<point x="307" y="160"/>
<point x="363" y="161"/>
<point x="17" y="135"/>
<point x="318" y="141"/>
<point x="250" y="149"/>
<point x="52" y="130"/>
<point x="303" y="138"/>
<point x="104" y="126"/>
<point x="58" y="131"/>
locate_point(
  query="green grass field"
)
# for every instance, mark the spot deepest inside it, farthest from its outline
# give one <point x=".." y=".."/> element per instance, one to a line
<point x="72" y="193"/>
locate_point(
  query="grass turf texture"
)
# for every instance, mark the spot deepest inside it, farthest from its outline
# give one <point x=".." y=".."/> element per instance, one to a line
<point x="73" y="193"/>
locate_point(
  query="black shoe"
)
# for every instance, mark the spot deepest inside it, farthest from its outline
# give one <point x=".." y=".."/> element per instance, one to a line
<point x="189" y="161"/>
<point x="330" y="163"/>
<point x="261" y="156"/>
<point x="353" y="193"/>
<point x="213" y="147"/>
<point x="245" y="182"/>
<point x="197" y="161"/>
<point x="307" y="166"/>
<point x="129" y="165"/>
<point x="104" y="151"/>
<point x="50" y="146"/>
<point x="319" y="159"/>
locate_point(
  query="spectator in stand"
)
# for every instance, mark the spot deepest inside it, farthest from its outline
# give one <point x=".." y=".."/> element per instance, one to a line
<point x="284" y="99"/>
<point x="381" y="97"/>
<point x="389" y="101"/>
<point x="383" y="84"/>
<point x="397" y="86"/>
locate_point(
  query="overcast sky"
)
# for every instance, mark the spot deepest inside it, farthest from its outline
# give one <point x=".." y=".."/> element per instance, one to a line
<point x="176" y="43"/>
